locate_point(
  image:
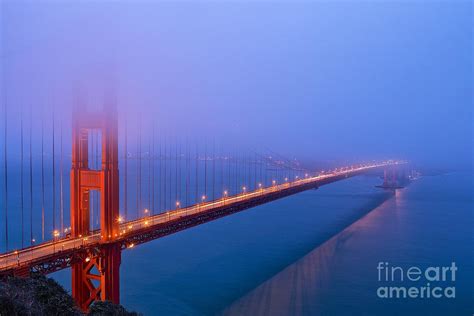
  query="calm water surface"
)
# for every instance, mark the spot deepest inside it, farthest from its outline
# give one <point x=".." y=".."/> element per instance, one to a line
<point x="314" y="253"/>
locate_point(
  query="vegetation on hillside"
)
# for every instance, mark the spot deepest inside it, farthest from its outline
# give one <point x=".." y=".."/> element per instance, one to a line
<point x="43" y="296"/>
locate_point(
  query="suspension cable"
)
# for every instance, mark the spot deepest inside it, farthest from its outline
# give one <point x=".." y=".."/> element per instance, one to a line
<point x="97" y="167"/>
<point x="153" y="156"/>
<point x="54" y="178"/>
<point x="31" y="176"/>
<point x="42" y="177"/>
<point x="61" y="182"/>
<point x="125" y="208"/>
<point x="21" y="181"/>
<point x="214" y="169"/>
<point x="5" y="165"/>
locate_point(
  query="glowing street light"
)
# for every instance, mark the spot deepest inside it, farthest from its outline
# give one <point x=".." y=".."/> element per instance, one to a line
<point x="203" y="198"/>
<point x="224" y="195"/>
<point x="274" y="182"/>
<point x="120" y="219"/>
<point x="244" y="189"/>
<point x="178" y="204"/>
<point x="146" y="211"/>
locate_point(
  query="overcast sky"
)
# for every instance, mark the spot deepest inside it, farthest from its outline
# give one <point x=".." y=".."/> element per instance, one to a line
<point x="312" y="79"/>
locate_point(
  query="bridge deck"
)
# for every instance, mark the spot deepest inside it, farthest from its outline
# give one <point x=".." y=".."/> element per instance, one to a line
<point x="55" y="255"/>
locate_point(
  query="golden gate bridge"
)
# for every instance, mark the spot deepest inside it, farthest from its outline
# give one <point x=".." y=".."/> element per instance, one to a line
<point x="100" y="228"/>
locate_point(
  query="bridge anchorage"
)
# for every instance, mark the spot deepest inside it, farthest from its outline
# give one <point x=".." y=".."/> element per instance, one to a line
<point x="96" y="276"/>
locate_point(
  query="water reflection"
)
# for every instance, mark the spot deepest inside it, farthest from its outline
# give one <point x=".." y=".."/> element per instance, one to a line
<point x="300" y="289"/>
<point x="416" y="227"/>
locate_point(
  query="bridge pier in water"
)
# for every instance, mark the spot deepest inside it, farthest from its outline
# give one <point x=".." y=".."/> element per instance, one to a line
<point x="393" y="178"/>
<point x="96" y="276"/>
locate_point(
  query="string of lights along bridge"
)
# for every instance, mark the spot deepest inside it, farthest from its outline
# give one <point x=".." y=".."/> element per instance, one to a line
<point x="74" y="209"/>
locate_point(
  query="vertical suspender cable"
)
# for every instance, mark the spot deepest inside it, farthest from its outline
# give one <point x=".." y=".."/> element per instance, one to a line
<point x="153" y="169"/>
<point x="228" y="184"/>
<point x="179" y="173"/>
<point x="149" y="176"/>
<point x="138" y="177"/>
<point x="187" y="172"/>
<point x="250" y="170"/>
<point x="165" y="174"/>
<point x="54" y="179"/>
<point x="236" y="159"/>
<point x="255" y="178"/>
<point x="91" y="193"/>
<point x="61" y="182"/>
<point x="197" y="175"/>
<point x="31" y="176"/>
<point x="42" y="177"/>
<point x="125" y="184"/>
<point x="176" y="170"/>
<point x="140" y="163"/>
<point x="98" y="167"/>
<point x="214" y="170"/>
<point x="21" y="181"/>
<point x="160" y="175"/>
<point x="205" y="170"/>
<point x="221" y="157"/>
<point x="5" y="166"/>
<point x="170" y="178"/>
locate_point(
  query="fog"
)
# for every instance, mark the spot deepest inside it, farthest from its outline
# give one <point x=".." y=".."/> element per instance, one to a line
<point x="316" y="80"/>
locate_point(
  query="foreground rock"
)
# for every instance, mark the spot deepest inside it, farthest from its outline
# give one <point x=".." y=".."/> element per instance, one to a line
<point x="43" y="296"/>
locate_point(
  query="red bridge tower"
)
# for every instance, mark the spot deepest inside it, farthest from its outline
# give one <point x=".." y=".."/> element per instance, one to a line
<point x="96" y="277"/>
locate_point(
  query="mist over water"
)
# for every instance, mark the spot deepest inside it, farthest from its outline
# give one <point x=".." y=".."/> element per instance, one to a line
<point x="316" y="80"/>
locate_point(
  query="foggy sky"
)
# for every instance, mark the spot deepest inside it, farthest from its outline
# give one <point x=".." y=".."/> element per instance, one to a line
<point x="317" y="80"/>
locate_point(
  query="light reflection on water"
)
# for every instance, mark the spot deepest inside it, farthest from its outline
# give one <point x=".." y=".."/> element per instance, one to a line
<point x="340" y="276"/>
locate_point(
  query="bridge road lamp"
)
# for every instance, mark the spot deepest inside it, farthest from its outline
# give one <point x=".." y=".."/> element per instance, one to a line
<point x="225" y="194"/>
<point x="260" y="187"/>
<point x="178" y="206"/>
<point x="244" y="189"/>
<point x="147" y="212"/>
<point x="55" y="239"/>
<point x="203" y="199"/>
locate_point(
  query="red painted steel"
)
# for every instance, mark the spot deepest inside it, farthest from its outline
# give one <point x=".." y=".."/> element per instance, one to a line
<point x="95" y="277"/>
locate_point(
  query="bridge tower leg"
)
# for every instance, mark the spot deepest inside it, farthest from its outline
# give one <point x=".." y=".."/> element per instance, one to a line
<point x="97" y="276"/>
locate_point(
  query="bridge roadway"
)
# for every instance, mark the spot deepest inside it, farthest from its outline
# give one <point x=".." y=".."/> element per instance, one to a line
<point x="58" y="254"/>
